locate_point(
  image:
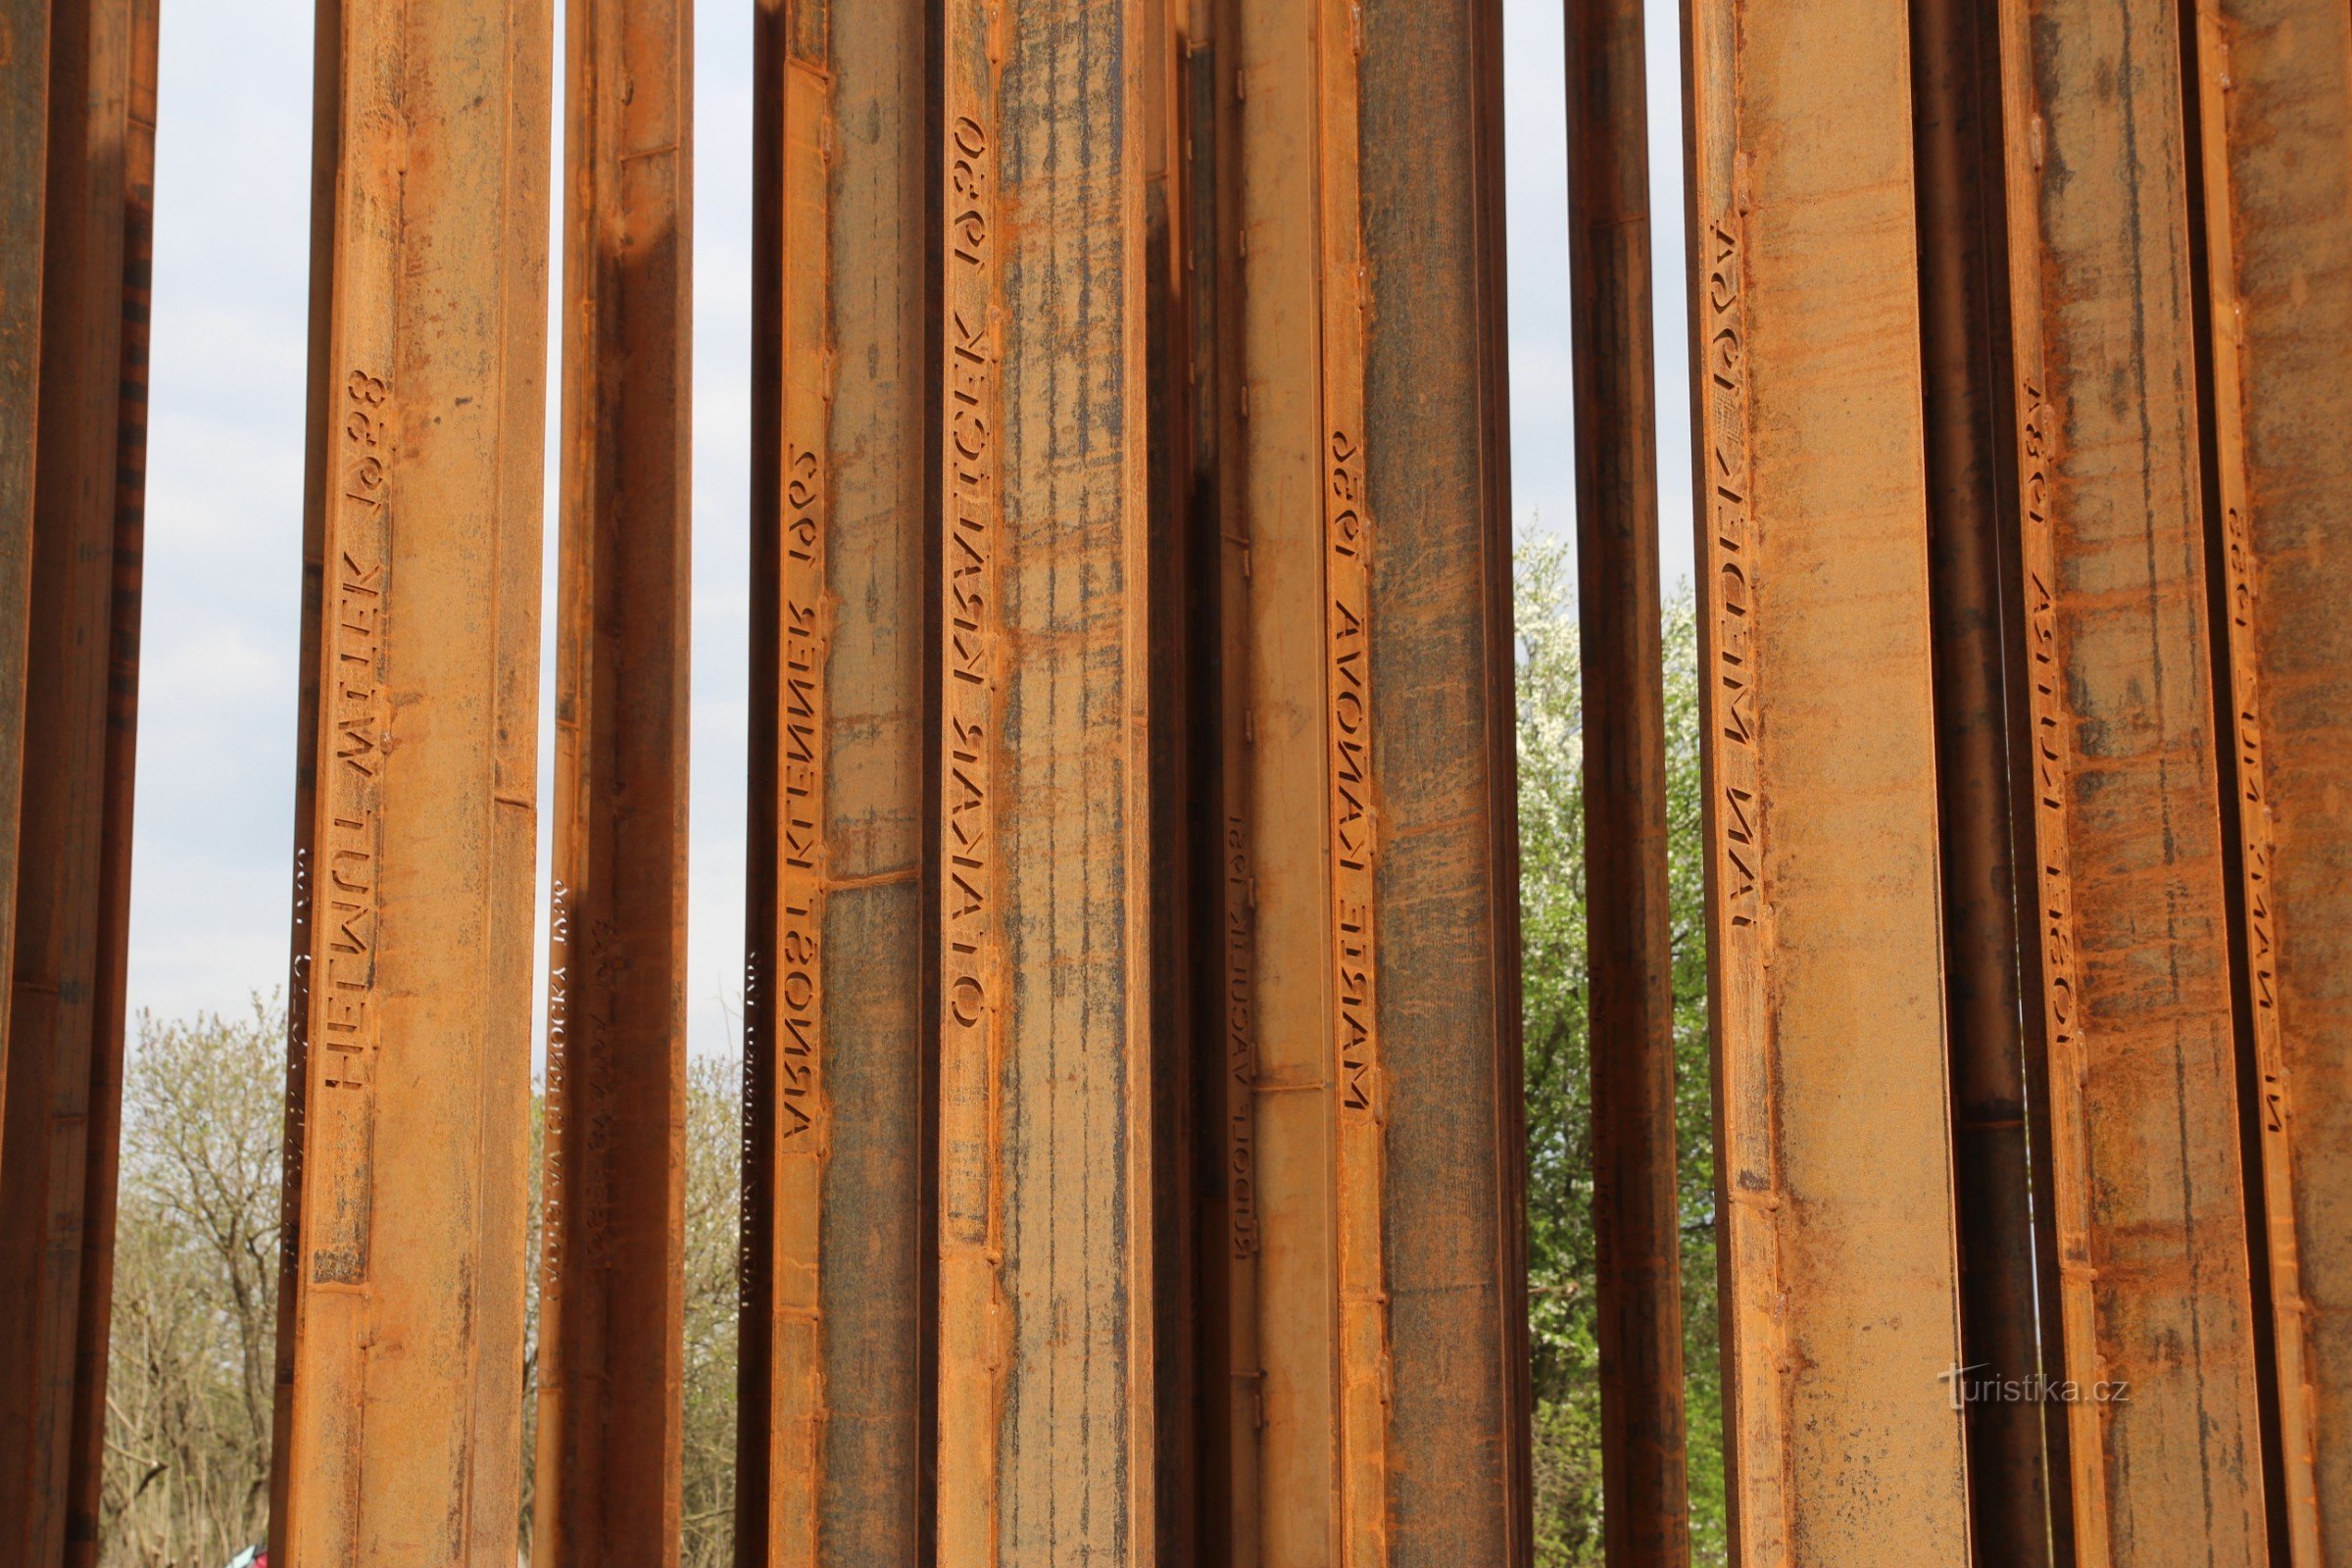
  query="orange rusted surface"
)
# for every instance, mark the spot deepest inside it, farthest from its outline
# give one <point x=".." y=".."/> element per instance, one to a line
<point x="2277" y="143"/>
<point x="1841" y="1317"/>
<point x="1442" y="808"/>
<point x="612" y="1278"/>
<point x="1637" y="1206"/>
<point x="974" y="1328"/>
<point x="399" y="1439"/>
<point x="1999" y="1125"/>
<point x="2135" y="982"/>
<point x="836" y="1268"/>
<point x="1231" y="1234"/>
<point x="79" y="682"/>
<point x="24" y="188"/>
<point x="788" y="1106"/>
<point x="104" y="1136"/>
<point x="1059" y="716"/>
<point x="1305" y="826"/>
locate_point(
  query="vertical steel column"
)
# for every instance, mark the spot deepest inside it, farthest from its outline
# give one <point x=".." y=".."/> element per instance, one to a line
<point x="1232" y="1239"/>
<point x="612" y="1274"/>
<point x="24" y="188"/>
<point x="1442" y="807"/>
<point x="2276" y="132"/>
<point x="1043" y="989"/>
<point x="1636" y="1209"/>
<point x="401" y="1314"/>
<point x="1840" y="1299"/>
<point x="1315" y="1106"/>
<point x="835" y="1410"/>
<point x="1999" y="1118"/>
<point x="1181" y="764"/>
<point x="104" y="1137"/>
<point x="2135" y="984"/>
<point x="63" y="1059"/>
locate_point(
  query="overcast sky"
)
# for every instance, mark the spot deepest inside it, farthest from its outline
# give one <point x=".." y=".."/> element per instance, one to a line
<point x="214" y="827"/>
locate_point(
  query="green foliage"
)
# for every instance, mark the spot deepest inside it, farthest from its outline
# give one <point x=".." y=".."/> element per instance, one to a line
<point x="1559" y="1106"/>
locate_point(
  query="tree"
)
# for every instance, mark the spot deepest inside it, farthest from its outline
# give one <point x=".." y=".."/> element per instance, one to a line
<point x="1560" y="1110"/>
<point x="195" y="1307"/>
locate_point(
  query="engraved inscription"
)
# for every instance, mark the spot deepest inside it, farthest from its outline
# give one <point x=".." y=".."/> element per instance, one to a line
<point x="343" y="1038"/>
<point x="1733" y="716"/>
<point x="1240" y="1047"/>
<point x="796" y="1005"/>
<point x="967" y="895"/>
<point x="1347" y="685"/>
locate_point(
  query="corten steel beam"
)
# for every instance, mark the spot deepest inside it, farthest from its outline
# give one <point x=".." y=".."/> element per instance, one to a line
<point x="2276" y="156"/>
<point x="612" y="1267"/>
<point x="1230" y="1238"/>
<point x="1316" y="1103"/>
<point x="833" y="1433"/>
<point x="1043" y="984"/>
<point x="1180" y="762"/>
<point x="2136" y="977"/>
<point x="1972" y="504"/>
<point x="1636" y="1209"/>
<point x="104" y="1138"/>
<point x="401" y="1310"/>
<point x="24" y="188"/>
<point x="64" y="1064"/>
<point x="1444" y="801"/>
<point x="1835" y="1205"/>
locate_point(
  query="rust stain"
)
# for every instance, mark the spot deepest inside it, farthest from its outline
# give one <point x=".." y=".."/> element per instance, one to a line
<point x="1359" y="1086"/>
<point x="1834" y="1177"/>
<point x="2277" y="143"/>
<point x="612" y="1260"/>
<point x="72" y="390"/>
<point x="801" y="1107"/>
<point x="402" y="1313"/>
<point x="973" y="1331"/>
<point x="2134" y="965"/>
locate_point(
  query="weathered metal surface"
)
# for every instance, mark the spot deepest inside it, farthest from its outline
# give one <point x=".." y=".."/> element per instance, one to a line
<point x="2277" y="134"/>
<point x="85" y="1479"/>
<point x="835" y="1410"/>
<point x="1180" y="763"/>
<point x="24" y="188"/>
<point x="1636" y="1209"/>
<point x="1446" y="1093"/>
<point x="1998" y="1125"/>
<point x="1839" y="1297"/>
<point x="2135" y="976"/>
<point x="1046" y="1333"/>
<point x="1231" y="1237"/>
<point x="399" y="1439"/>
<point x="611" y="1255"/>
<point x="1314" y="1110"/>
<point x="64" y="1062"/>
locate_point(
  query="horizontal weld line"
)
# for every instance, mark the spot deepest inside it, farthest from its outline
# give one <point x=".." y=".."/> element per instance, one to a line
<point x="880" y="879"/>
<point x="1276" y="1086"/>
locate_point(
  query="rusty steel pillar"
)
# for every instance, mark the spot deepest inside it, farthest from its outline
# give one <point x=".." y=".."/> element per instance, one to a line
<point x="1637" y="1207"/>
<point x="401" y="1308"/>
<point x="1998" y="1099"/>
<point x="1046" y="1423"/>
<point x="1304" y="812"/>
<point x="1444" y="808"/>
<point x="2276" y="125"/>
<point x="23" y="190"/>
<point x="835" y="1418"/>
<point x="2135" y="985"/>
<point x="1839" y="1285"/>
<point x="80" y="685"/>
<point x="611" y="1258"/>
